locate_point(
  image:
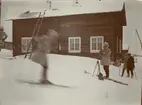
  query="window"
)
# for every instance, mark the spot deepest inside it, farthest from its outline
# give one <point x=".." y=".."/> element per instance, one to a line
<point x="25" y="44"/>
<point x="74" y="44"/>
<point x="96" y="43"/>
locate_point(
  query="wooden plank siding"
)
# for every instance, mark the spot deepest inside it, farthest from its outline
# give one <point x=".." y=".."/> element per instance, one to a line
<point x="108" y="25"/>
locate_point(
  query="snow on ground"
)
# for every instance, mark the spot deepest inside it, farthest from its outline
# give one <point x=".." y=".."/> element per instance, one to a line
<point x="68" y="71"/>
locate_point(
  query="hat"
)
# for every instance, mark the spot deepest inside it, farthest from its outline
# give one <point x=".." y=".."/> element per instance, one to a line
<point x="106" y="45"/>
<point x="1" y="28"/>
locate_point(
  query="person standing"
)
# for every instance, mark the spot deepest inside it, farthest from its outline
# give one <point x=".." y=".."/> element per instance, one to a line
<point x="3" y="37"/>
<point x="125" y="64"/>
<point x="105" y="54"/>
<point x="39" y="55"/>
<point x="130" y="65"/>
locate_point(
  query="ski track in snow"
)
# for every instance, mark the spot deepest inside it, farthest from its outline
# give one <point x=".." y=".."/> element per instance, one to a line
<point x="68" y="71"/>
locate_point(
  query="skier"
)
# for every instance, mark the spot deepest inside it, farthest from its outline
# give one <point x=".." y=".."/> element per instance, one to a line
<point x="43" y="45"/>
<point x="3" y="37"/>
<point x="125" y="64"/>
<point x="105" y="58"/>
<point x="130" y="65"/>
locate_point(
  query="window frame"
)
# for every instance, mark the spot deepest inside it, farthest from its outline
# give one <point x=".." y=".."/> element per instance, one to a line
<point x="24" y="50"/>
<point x="69" y="45"/>
<point x="91" y="38"/>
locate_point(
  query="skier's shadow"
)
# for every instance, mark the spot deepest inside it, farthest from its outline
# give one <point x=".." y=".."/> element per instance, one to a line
<point x="40" y="84"/>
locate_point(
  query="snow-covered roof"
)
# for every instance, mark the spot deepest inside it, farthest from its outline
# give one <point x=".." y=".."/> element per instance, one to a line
<point x="94" y="7"/>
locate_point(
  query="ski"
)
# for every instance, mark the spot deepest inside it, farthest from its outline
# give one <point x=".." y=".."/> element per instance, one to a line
<point x="30" y="82"/>
<point x="110" y="79"/>
<point x="8" y="58"/>
<point x="116" y="81"/>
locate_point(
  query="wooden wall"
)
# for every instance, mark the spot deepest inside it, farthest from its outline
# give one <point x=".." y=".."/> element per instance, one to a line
<point x="102" y="24"/>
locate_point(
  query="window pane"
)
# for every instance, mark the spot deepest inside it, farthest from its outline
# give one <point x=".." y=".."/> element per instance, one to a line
<point x="71" y="44"/>
<point x="94" y="44"/>
<point x="76" y="46"/>
<point x="99" y="43"/>
<point x="25" y="44"/>
<point x="76" y="40"/>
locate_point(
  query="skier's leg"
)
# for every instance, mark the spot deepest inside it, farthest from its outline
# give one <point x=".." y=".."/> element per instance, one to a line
<point x="128" y="74"/>
<point x="132" y="73"/>
<point x="106" y="68"/>
<point x="123" y="70"/>
<point x="44" y="73"/>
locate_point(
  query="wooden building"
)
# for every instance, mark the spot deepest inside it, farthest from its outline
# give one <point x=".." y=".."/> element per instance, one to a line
<point x="80" y="34"/>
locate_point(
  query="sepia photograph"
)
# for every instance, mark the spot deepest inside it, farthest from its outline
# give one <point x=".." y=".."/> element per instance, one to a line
<point x="70" y="52"/>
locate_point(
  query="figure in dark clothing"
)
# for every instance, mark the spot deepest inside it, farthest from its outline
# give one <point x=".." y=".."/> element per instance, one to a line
<point x="130" y="65"/>
<point x="125" y="64"/>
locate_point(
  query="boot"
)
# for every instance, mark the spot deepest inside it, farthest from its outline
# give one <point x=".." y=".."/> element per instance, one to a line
<point x="45" y="81"/>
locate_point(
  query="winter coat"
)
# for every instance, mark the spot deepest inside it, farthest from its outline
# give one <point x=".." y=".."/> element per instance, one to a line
<point x="42" y="48"/>
<point x="125" y="62"/>
<point x="3" y="36"/>
<point x="105" y="56"/>
<point x="130" y="63"/>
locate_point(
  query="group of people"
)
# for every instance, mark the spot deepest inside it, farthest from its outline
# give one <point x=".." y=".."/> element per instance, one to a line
<point x="128" y="60"/>
<point x="129" y="65"/>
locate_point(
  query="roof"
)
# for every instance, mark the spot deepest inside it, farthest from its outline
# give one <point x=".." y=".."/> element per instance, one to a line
<point x="96" y="7"/>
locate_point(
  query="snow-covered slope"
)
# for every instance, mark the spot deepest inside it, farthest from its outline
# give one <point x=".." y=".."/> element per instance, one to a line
<point x="68" y="71"/>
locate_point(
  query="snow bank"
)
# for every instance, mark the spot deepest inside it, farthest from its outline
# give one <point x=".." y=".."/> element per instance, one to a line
<point x="69" y="71"/>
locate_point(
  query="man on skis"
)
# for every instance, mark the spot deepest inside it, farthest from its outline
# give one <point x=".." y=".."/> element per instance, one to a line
<point x="105" y="54"/>
<point x="43" y="45"/>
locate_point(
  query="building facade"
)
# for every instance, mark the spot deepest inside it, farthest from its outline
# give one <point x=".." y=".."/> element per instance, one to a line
<point x="80" y="34"/>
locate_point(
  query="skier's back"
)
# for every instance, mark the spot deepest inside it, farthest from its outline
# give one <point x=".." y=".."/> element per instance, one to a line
<point x="43" y="44"/>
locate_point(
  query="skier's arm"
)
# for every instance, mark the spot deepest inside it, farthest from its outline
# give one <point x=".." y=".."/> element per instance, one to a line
<point x="4" y="36"/>
<point x="108" y="53"/>
<point x="100" y="53"/>
<point x="36" y="38"/>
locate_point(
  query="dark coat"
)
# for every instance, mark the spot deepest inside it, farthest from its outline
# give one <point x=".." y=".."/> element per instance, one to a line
<point x="130" y="63"/>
